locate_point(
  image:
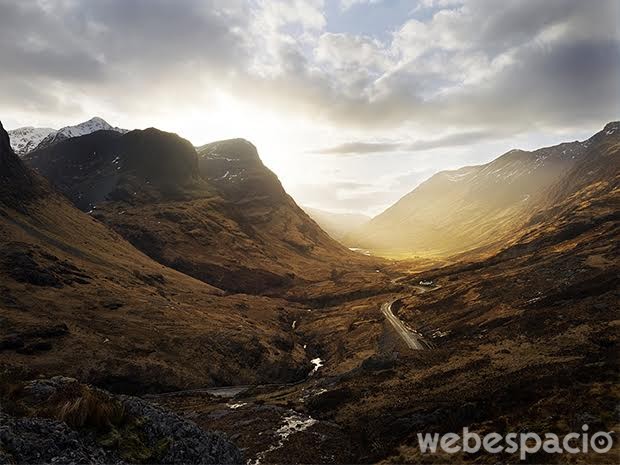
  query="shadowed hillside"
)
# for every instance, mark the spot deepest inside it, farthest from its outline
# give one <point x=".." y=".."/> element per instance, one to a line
<point x="77" y="299"/>
<point x="220" y="216"/>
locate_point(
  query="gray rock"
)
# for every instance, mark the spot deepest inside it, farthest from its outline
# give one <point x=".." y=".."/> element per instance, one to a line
<point x="188" y="443"/>
<point x="40" y="440"/>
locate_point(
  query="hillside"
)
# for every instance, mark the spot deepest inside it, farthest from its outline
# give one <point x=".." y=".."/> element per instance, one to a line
<point x="220" y="216"/>
<point x="480" y="207"/>
<point x="78" y="300"/>
<point x="523" y="340"/>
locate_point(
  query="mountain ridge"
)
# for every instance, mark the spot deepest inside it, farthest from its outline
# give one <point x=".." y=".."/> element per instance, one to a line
<point x="475" y="207"/>
<point x="28" y="138"/>
<point x="218" y="215"/>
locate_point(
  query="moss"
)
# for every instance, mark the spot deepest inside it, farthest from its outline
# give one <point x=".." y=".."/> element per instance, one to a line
<point x="87" y="409"/>
<point x="132" y="444"/>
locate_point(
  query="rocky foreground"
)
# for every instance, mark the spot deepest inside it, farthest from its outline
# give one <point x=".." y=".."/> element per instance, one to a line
<point x="59" y="420"/>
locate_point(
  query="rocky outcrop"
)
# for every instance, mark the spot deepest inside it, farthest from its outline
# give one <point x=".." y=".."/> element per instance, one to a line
<point x="59" y="420"/>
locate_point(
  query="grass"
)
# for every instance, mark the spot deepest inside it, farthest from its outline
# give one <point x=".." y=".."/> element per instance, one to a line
<point x="84" y="408"/>
<point x="80" y="406"/>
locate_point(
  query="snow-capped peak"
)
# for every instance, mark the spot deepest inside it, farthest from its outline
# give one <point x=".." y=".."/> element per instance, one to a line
<point x="27" y="139"/>
<point x="24" y="140"/>
<point x="88" y="127"/>
<point x="82" y="129"/>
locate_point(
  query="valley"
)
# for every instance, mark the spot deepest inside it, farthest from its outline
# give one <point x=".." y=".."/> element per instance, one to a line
<point x="186" y="279"/>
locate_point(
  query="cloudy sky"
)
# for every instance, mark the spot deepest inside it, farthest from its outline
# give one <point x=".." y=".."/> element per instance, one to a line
<point x="351" y="102"/>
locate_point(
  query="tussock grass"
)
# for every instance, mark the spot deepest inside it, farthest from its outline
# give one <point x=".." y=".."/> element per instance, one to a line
<point x="80" y="406"/>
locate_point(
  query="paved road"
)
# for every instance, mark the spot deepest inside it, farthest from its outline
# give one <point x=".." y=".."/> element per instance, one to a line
<point x="413" y="340"/>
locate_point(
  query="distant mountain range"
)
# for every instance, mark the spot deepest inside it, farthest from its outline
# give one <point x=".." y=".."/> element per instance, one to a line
<point x="480" y="208"/>
<point x="27" y="139"/>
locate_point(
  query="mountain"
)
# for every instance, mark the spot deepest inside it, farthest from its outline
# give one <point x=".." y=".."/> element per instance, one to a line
<point x="479" y="208"/>
<point x="524" y="338"/>
<point x="87" y="127"/>
<point x="26" y="139"/>
<point x="519" y="340"/>
<point x="218" y="215"/>
<point x="77" y="299"/>
<point x="337" y="225"/>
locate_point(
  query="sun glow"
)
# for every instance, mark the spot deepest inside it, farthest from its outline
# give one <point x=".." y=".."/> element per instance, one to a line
<point x="279" y="138"/>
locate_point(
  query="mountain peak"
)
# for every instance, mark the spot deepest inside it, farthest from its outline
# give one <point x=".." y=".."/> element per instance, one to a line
<point x="87" y="127"/>
<point x="230" y="149"/>
<point x="27" y="138"/>
<point x="98" y="120"/>
<point x="235" y="167"/>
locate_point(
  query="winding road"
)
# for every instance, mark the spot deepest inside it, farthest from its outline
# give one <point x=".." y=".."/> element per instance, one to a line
<point x="413" y="340"/>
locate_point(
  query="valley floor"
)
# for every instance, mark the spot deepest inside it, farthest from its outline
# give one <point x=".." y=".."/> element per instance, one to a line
<point x="527" y="343"/>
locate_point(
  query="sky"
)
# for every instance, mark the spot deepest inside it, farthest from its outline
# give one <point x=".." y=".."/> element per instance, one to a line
<point x="352" y="103"/>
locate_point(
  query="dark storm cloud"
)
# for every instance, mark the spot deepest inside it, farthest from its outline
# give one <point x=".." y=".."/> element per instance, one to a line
<point x="160" y="33"/>
<point x="33" y="43"/>
<point x="575" y="81"/>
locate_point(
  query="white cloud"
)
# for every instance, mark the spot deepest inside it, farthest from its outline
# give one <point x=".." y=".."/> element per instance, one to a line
<point x="347" y="4"/>
<point x="460" y="67"/>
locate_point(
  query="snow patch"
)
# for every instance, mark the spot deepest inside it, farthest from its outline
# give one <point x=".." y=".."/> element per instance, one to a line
<point x="236" y="405"/>
<point x="82" y="129"/>
<point x="318" y="363"/>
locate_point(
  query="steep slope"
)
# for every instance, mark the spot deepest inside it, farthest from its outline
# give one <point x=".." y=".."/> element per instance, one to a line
<point x="523" y="340"/>
<point x="221" y="217"/>
<point x="81" y="129"/>
<point x="478" y="207"/>
<point x="589" y="195"/>
<point x="76" y="299"/>
<point x="92" y="168"/>
<point x="26" y="139"/>
<point x="337" y="225"/>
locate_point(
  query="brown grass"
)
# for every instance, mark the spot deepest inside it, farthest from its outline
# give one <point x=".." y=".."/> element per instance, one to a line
<point x="81" y="406"/>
